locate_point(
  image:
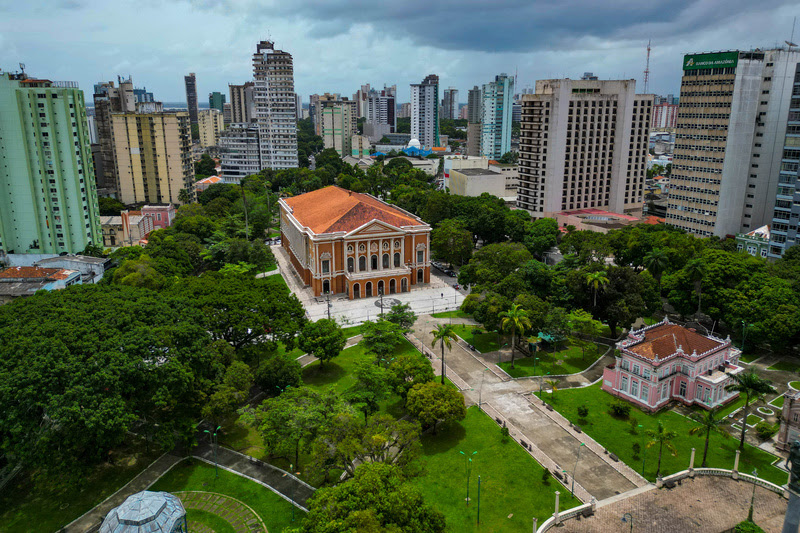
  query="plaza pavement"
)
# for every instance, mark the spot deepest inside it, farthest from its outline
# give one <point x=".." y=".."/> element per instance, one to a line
<point x="436" y="296"/>
<point x="594" y="473"/>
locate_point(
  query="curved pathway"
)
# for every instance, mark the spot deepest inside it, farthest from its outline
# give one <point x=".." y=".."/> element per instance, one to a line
<point x="239" y="515"/>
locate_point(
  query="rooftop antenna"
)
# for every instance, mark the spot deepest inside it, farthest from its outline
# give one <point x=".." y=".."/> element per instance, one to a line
<point x="790" y="42"/>
<point x="22" y="67"/>
<point x="647" y="69"/>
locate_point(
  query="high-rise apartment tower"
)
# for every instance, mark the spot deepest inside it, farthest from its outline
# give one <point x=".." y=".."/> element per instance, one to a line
<point x="273" y="72"/>
<point x="191" y="96"/>
<point x="425" y="111"/>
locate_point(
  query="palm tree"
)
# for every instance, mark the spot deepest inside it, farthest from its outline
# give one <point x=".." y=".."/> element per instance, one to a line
<point x="656" y="261"/>
<point x="752" y="386"/>
<point x="515" y="319"/>
<point x="695" y="270"/>
<point x="596" y="280"/>
<point x="663" y="437"/>
<point x="708" y="422"/>
<point x="442" y="334"/>
<point x="184" y="197"/>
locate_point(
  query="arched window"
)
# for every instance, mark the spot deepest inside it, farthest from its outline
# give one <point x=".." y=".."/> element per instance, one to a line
<point x="392" y="286"/>
<point x="326" y="287"/>
<point x="375" y="262"/>
<point x="350" y="264"/>
<point x="362" y="263"/>
<point x="420" y="276"/>
<point x="404" y="285"/>
<point x="356" y="291"/>
<point x="368" y="290"/>
<point x="380" y="287"/>
<point x="385" y="260"/>
<point x="397" y="259"/>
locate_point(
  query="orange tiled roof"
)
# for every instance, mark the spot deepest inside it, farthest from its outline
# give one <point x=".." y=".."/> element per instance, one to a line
<point x="333" y="209"/>
<point x="652" y="220"/>
<point x="23" y="272"/>
<point x="664" y="340"/>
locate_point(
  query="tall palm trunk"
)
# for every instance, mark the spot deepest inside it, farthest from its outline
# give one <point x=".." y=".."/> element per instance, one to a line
<point x="660" y="448"/>
<point x="699" y="289"/>
<point x="441" y="341"/>
<point x="705" y="451"/>
<point x="744" y="420"/>
<point x="513" y="344"/>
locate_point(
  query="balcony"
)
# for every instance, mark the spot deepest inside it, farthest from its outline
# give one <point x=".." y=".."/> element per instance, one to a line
<point x="380" y="273"/>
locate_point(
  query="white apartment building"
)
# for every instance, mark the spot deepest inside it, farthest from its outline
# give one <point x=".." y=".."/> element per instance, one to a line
<point x="450" y="103"/>
<point x="275" y="106"/>
<point x="425" y="111"/>
<point x="380" y="113"/>
<point x="732" y="121"/>
<point x="239" y="152"/>
<point x="583" y="144"/>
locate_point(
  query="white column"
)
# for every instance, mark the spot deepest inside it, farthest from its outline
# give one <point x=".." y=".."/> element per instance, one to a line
<point x="736" y="463"/>
<point x="555" y="514"/>
<point x="691" y="464"/>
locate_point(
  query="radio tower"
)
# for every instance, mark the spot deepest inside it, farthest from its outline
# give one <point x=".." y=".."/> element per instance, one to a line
<point x="647" y="69"/>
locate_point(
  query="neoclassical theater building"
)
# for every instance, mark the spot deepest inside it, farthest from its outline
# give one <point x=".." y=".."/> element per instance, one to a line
<point x="346" y="242"/>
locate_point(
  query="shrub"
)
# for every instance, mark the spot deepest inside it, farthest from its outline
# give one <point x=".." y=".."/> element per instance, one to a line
<point x="747" y="527"/>
<point x="637" y="449"/>
<point x="546" y="475"/>
<point x="765" y="430"/>
<point x="504" y="433"/>
<point x="620" y="409"/>
<point x="583" y="411"/>
<point x="634" y="426"/>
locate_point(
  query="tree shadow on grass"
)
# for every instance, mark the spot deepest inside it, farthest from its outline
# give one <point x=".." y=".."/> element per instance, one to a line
<point x="321" y="375"/>
<point x="448" y="436"/>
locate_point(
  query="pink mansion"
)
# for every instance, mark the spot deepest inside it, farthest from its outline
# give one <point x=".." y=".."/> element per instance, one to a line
<point x="665" y="362"/>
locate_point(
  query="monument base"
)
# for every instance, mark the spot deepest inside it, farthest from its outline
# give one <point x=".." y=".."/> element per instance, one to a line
<point x="791" y="523"/>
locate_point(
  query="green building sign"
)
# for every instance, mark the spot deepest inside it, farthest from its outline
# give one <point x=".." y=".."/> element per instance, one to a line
<point x="719" y="60"/>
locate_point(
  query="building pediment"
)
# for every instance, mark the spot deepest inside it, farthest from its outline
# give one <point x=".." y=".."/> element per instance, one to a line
<point x="373" y="228"/>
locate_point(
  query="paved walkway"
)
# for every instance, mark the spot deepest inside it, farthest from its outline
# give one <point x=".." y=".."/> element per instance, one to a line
<point x="703" y="504"/>
<point x="283" y="484"/>
<point x="237" y="514"/>
<point x="307" y="359"/>
<point x="595" y="472"/>
<point x="92" y="519"/>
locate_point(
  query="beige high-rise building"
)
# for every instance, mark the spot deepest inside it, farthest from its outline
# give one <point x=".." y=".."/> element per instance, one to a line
<point x="583" y="145"/>
<point x="211" y="124"/>
<point x="733" y="117"/>
<point x="339" y="124"/>
<point x="110" y="99"/>
<point x="153" y="156"/>
<point x="243" y="103"/>
<point x="275" y="103"/>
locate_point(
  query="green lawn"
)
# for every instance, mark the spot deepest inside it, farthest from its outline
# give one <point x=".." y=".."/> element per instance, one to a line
<point x="483" y="342"/>
<point x="216" y="523"/>
<point x="242" y="437"/>
<point x="277" y="279"/>
<point x="351" y="331"/>
<point x="785" y="366"/>
<point x="752" y="420"/>
<point x="615" y="435"/>
<point x="569" y="360"/>
<point x="749" y="357"/>
<point x="511" y="480"/>
<point x="795" y="385"/>
<point x="195" y="475"/>
<point x="51" y="506"/>
<point x="777" y="402"/>
<point x="458" y="313"/>
<point x="731" y="407"/>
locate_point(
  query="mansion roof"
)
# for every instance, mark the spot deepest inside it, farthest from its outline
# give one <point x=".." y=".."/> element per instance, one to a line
<point x="666" y="339"/>
<point x="333" y="209"/>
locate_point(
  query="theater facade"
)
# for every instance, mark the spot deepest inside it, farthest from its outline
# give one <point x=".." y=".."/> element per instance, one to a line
<point x="343" y="242"/>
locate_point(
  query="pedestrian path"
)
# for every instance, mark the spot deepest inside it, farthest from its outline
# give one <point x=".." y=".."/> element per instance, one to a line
<point x="237" y="514"/>
<point x="91" y="520"/>
<point x="307" y="359"/>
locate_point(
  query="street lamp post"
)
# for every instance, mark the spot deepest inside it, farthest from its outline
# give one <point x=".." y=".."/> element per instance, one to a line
<point x="294" y="486"/>
<point x="753" y="497"/>
<point x="479" y="500"/>
<point x="380" y="293"/>
<point x="541" y="383"/>
<point x="468" y="467"/>
<point x="214" y="445"/>
<point x="499" y="353"/>
<point x="480" y="392"/>
<point x="641" y="428"/>
<point x="628" y="517"/>
<point x="744" y="334"/>
<point x="575" y="468"/>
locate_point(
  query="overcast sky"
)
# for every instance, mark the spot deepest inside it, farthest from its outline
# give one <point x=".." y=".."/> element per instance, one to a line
<point x="338" y="45"/>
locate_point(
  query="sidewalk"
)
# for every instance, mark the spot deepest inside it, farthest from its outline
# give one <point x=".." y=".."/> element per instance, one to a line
<point x="92" y="519"/>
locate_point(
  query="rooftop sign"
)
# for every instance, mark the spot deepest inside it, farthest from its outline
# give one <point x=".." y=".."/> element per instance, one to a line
<point x="718" y="60"/>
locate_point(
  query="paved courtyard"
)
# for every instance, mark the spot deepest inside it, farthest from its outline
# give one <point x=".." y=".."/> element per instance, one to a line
<point x="707" y="504"/>
<point x="434" y="297"/>
<point x="240" y="517"/>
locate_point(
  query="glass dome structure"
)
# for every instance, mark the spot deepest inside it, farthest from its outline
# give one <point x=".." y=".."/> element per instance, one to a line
<point x="147" y="512"/>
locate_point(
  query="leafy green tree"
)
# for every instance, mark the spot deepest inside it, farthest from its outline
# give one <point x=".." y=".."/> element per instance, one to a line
<point x="373" y="385"/>
<point x="443" y="334"/>
<point x="205" y="167"/>
<point x="509" y="158"/>
<point x="492" y="263"/>
<point x="451" y="242"/>
<point x="140" y="272"/>
<point x="656" y="262"/>
<point x="381" y="337"/>
<point x="385" y="140"/>
<point x="347" y="442"/>
<point x="517" y="223"/>
<point x="377" y="498"/>
<point x="184" y="196"/>
<point x="515" y="319"/>
<point x="489" y="308"/>
<point x="292" y="421"/>
<point x="662" y="437"/>
<point x="709" y="423"/>
<point x="433" y="402"/>
<point x="324" y="339"/>
<point x="409" y="369"/>
<point x="110" y="207"/>
<point x="541" y="235"/>
<point x="278" y="373"/>
<point x="402" y="315"/>
<point x="752" y="386"/>
<point x="582" y="323"/>
<point x="695" y="270"/>
<point x="230" y="394"/>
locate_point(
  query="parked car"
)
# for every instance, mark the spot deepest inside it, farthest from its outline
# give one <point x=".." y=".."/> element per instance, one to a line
<point x="456" y="286"/>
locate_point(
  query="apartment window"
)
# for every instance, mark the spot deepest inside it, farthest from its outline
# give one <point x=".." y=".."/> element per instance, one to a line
<point x="634" y="388"/>
<point x="624" y="384"/>
<point x="326" y="266"/>
<point x="645" y="392"/>
<point x="420" y="256"/>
